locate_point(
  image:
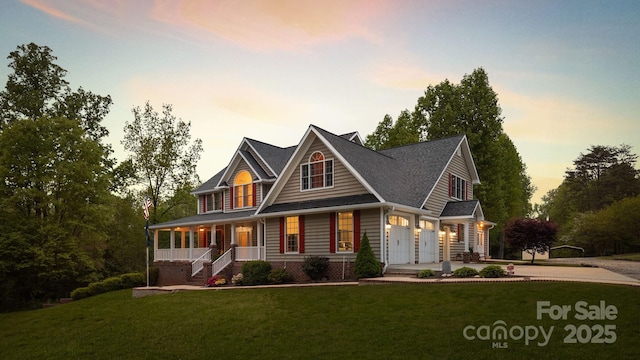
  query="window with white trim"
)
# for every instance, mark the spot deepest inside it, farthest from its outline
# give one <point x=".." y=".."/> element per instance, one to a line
<point x="213" y="202"/>
<point x="243" y="190"/>
<point x="345" y="231"/>
<point x="317" y="173"/>
<point x="458" y="188"/>
<point x="292" y="229"/>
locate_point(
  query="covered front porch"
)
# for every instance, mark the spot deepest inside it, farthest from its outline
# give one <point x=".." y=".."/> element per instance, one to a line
<point x="188" y="243"/>
<point x="191" y="243"/>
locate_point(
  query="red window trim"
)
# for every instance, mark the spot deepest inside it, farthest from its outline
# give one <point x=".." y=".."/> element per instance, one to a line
<point x="332" y="232"/>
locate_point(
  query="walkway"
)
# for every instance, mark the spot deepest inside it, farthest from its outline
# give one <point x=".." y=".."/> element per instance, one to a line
<point x="522" y="273"/>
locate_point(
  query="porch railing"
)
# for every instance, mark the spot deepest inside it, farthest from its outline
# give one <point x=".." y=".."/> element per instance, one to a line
<point x="247" y="253"/>
<point x="198" y="264"/>
<point x="221" y="262"/>
<point x="179" y="254"/>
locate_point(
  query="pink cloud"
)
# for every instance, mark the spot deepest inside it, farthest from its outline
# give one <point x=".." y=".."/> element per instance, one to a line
<point x="58" y="10"/>
<point x="254" y="24"/>
<point x="281" y="24"/>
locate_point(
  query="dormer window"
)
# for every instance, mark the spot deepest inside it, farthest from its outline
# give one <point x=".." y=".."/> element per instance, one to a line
<point x="317" y="173"/>
<point x="243" y="190"/>
<point x="213" y="202"/>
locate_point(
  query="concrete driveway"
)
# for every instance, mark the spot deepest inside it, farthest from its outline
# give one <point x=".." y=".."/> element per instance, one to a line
<point x="593" y="272"/>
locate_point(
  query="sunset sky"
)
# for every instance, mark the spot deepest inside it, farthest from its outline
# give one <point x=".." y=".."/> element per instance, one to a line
<point x="567" y="73"/>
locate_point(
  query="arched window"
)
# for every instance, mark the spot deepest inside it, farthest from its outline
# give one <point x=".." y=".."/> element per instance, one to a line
<point x="317" y="173"/>
<point x="243" y="190"/>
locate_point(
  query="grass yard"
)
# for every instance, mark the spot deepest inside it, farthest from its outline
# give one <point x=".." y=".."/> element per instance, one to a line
<point x="630" y="257"/>
<point x="409" y="321"/>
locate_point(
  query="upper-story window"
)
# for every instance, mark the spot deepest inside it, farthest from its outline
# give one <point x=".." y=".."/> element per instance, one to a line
<point x="213" y="202"/>
<point x="243" y="190"/>
<point x="317" y="173"/>
<point x="457" y="187"/>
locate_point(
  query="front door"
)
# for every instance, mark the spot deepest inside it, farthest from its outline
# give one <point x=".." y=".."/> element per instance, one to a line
<point x="427" y="246"/>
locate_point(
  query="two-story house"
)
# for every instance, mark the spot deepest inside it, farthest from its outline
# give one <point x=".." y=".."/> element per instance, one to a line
<point x="318" y="198"/>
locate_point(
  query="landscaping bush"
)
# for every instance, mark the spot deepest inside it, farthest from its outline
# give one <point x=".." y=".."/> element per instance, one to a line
<point x="280" y="276"/>
<point x="80" y="293"/>
<point x="426" y="273"/>
<point x="465" y="272"/>
<point x="132" y="280"/>
<point x="236" y="279"/>
<point x="256" y="272"/>
<point x="366" y="266"/>
<point x="492" y="271"/>
<point x="124" y="281"/>
<point x="315" y="267"/>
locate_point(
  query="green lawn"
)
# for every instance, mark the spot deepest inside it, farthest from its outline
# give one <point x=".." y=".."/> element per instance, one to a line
<point x="631" y="257"/>
<point x="409" y="321"/>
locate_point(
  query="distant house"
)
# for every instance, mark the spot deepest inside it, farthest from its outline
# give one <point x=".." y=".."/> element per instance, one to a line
<point x="318" y="198"/>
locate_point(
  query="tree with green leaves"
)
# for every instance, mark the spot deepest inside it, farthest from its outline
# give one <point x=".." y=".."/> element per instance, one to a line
<point x="471" y="108"/>
<point x="531" y="235"/>
<point x="56" y="179"/>
<point x="599" y="178"/>
<point x="162" y="153"/>
<point x="366" y="264"/>
<point x="37" y="88"/>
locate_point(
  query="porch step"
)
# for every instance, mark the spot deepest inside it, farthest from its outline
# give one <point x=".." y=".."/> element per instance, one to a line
<point x="199" y="279"/>
<point x="407" y="273"/>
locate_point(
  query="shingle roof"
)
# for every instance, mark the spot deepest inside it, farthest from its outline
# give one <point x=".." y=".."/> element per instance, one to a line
<point x="460" y="208"/>
<point x="403" y="175"/>
<point x="276" y="157"/>
<point x="204" y="218"/>
<point x="209" y="184"/>
<point x="323" y="203"/>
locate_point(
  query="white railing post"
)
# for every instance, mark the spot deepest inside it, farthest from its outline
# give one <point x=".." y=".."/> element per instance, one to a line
<point x="198" y="264"/>
<point x="222" y="262"/>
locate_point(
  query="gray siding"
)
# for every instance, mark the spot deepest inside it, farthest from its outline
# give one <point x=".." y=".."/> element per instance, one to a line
<point x="440" y="195"/>
<point x="317" y="236"/>
<point x="344" y="184"/>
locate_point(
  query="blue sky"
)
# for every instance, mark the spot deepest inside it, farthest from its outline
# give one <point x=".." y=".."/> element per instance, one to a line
<point x="567" y="73"/>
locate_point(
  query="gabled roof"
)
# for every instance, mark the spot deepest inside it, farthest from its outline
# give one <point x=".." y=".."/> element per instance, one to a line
<point x="462" y="210"/>
<point x="273" y="156"/>
<point x="403" y="175"/>
<point x="210" y="184"/>
<point x="353" y="137"/>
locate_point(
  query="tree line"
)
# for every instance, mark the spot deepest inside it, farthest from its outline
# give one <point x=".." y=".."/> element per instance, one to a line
<point x="597" y="205"/>
<point x="69" y="213"/>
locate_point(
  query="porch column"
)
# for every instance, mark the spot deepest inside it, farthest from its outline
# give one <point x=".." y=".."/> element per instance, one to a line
<point x="447" y="243"/>
<point x="190" y="243"/>
<point x="233" y="233"/>
<point x="466" y="236"/>
<point x="172" y="243"/>
<point x="213" y="236"/>
<point x="436" y="243"/>
<point x="155" y="243"/>
<point x="259" y="226"/>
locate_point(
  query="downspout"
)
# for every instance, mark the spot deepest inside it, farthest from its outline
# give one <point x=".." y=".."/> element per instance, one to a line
<point x="383" y="239"/>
